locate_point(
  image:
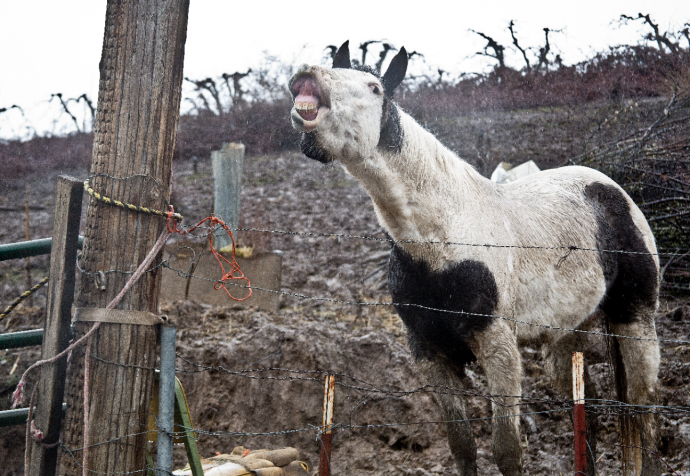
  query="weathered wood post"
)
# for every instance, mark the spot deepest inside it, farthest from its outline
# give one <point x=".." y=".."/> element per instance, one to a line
<point x="56" y="334"/>
<point x="227" y="179"/>
<point x="134" y="133"/>
<point x="579" y="422"/>
<point x="327" y="432"/>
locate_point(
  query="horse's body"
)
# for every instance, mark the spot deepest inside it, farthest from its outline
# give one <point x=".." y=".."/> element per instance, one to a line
<point x="423" y="193"/>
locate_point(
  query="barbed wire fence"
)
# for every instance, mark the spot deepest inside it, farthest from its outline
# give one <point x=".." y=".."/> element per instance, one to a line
<point x="360" y="390"/>
<point x="363" y="389"/>
<point x="351" y="384"/>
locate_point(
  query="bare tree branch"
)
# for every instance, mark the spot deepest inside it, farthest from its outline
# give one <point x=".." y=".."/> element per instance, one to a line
<point x="544" y="51"/>
<point x="382" y="55"/>
<point x="207" y="106"/>
<point x="194" y="106"/>
<point x="364" y="47"/>
<point x="89" y="104"/>
<point x="237" y="92"/>
<point x="661" y="39"/>
<point x="495" y="46"/>
<point x="517" y="45"/>
<point x="14" y="106"/>
<point x="332" y="50"/>
<point x="66" y="109"/>
<point x="209" y="85"/>
<point x="686" y="33"/>
<point x="412" y="54"/>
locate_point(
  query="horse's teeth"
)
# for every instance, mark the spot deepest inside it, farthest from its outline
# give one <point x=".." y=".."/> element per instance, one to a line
<point x="303" y="106"/>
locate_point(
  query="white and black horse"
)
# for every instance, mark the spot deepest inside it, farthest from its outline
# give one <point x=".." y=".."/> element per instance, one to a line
<point x="424" y="193"/>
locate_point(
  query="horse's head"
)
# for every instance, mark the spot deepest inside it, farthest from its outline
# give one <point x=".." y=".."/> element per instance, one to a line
<point x="345" y="113"/>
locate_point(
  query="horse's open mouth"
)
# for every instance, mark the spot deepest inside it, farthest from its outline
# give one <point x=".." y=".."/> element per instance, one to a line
<point x="310" y="105"/>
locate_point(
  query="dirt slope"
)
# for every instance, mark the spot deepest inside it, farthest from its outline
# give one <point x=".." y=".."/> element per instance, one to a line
<point x="366" y="345"/>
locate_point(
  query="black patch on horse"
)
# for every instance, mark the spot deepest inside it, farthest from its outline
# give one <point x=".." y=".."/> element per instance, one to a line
<point x="631" y="279"/>
<point x="391" y="138"/>
<point x="311" y="148"/>
<point x="466" y="286"/>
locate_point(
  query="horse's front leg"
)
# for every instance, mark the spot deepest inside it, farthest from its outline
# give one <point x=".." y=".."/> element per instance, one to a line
<point x="497" y="352"/>
<point x="453" y="403"/>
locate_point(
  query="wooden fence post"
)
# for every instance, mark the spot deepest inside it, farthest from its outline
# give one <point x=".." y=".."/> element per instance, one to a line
<point x="579" y="421"/>
<point x="227" y="187"/>
<point x="56" y="333"/>
<point x="134" y="139"/>
<point x="327" y="436"/>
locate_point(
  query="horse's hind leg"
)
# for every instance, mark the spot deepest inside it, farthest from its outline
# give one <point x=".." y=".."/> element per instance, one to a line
<point x="639" y="373"/>
<point x="497" y="352"/>
<point x="558" y="357"/>
<point x="454" y="407"/>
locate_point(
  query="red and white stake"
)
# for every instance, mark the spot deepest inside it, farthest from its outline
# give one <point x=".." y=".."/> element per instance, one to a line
<point x="579" y="415"/>
<point x="327" y="436"/>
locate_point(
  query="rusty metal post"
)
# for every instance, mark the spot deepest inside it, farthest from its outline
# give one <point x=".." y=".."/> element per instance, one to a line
<point x="327" y="436"/>
<point x="579" y="415"/>
<point x="30" y="301"/>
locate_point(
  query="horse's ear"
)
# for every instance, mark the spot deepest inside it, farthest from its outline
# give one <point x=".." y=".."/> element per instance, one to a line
<point x="395" y="72"/>
<point x="342" y="56"/>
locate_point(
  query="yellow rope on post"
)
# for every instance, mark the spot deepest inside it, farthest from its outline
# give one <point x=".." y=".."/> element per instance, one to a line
<point x="24" y="295"/>
<point x="128" y="206"/>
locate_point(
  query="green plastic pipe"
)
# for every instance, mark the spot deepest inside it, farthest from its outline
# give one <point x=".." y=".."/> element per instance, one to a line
<point x="15" y="340"/>
<point x="18" y="416"/>
<point x="24" y="249"/>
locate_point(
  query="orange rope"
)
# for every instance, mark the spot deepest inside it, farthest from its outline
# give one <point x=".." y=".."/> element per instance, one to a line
<point x="235" y="271"/>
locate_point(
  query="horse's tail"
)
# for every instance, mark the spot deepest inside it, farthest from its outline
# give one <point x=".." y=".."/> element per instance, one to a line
<point x="631" y="454"/>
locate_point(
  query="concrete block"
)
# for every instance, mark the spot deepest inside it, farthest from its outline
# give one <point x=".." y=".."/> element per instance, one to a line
<point x="263" y="271"/>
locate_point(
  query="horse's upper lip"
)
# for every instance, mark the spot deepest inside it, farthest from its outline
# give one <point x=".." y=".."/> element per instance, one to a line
<point x="311" y="98"/>
<point x="312" y="73"/>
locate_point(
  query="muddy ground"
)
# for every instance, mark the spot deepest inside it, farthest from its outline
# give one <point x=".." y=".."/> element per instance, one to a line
<point x="384" y="430"/>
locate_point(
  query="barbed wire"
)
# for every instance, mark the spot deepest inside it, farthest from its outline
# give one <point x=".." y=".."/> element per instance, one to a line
<point x="454" y="243"/>
<point x="432" y="389"/>
<point x="598" y="406"/>
<point x="372" y="388"/>
<point x="601" y="407"/>
<point x="184" y="274"/>
<point x="389" y="240"/>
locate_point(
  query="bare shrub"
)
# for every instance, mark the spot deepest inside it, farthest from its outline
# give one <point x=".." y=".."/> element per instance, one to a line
<point x="256" y="114"/>
<point x="18" y="159"/>
<point x="624" y="72"/>
<point x="653" y="165"/>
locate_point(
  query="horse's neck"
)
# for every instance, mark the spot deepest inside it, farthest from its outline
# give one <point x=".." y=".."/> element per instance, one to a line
<point x="416" y="190"/>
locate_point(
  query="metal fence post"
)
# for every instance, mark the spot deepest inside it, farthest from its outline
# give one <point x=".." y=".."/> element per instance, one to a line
<point x="166" y="400"/>
<point x="227" y="177"/>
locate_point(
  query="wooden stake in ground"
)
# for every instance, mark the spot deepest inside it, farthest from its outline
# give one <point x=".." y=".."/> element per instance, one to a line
<point x="579" y="415"/>
<point x="134" y="138"/>
<point x="56" y="334"/>
<point x="327" y="436"/>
